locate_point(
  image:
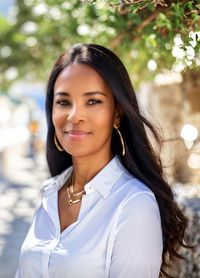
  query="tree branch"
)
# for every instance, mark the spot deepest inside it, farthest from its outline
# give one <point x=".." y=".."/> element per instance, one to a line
<point x="149" y="19"/>
<point x="139" y="28"/>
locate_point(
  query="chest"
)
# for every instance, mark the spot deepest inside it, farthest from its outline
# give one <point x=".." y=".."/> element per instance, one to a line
<point x="87" y="242"/>
<point x="67" y="214"/>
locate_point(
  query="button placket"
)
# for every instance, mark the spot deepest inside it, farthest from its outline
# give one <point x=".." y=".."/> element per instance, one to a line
<point x="47" y="251"/>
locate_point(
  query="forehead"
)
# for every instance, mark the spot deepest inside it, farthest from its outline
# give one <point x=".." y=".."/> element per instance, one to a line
<point x="80" y="77"/>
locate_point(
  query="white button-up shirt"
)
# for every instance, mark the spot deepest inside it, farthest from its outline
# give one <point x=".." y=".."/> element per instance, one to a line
<point x="117" y="234"/>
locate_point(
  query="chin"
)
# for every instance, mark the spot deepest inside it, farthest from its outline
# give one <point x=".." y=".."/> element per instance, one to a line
<point x="78" y="153"/>
<point x="83" y="150"/>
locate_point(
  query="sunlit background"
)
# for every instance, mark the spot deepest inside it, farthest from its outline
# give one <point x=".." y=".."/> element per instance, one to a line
<point x="161" y="53"/>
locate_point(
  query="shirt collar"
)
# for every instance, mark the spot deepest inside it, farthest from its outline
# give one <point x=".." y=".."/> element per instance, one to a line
<point x="102" y="182"/>
<point x="55" y="183"/>
<point x="106" y="178"/>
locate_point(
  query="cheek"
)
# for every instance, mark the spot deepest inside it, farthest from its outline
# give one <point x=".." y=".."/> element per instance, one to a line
<point x="105" y="121"/>
<point x="56" y="118"/>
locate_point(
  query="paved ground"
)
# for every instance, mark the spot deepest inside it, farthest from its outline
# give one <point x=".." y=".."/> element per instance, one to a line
<point x="19" y="195"/>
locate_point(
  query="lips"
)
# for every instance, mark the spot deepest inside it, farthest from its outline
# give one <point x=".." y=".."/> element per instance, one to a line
<point x="77" y="134"/>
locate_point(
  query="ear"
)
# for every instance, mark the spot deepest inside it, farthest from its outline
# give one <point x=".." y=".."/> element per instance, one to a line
<point x="118" y="115"/>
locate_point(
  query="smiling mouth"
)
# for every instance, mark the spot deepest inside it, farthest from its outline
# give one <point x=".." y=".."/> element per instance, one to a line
<point x="77" y="134"/>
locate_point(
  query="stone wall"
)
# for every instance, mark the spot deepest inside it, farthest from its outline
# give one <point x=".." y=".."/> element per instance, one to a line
<point x="188" y="197"/>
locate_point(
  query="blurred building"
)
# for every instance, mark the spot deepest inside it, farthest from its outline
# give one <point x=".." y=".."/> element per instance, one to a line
<point x="173" y="105"/>
<point x="22" y="125"/>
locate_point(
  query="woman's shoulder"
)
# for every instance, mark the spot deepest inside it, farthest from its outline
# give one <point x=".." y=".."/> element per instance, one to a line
<point x="133" y="186"/>
<point x="137" y="199"/>
<point x="135" y="191"/>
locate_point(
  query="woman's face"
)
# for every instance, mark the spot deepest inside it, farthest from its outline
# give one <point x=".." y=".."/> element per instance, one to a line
<point x="84" y="111"/>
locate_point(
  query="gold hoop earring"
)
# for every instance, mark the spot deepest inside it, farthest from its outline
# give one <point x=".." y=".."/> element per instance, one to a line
<point x="121" y="139"/>
<point x="57" y="145"/>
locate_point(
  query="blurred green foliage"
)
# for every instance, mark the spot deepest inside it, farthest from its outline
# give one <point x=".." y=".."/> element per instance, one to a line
<point x="142" y="33"/>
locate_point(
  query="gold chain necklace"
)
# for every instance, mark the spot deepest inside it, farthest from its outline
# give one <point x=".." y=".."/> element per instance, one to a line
<point x="72" y="196"/>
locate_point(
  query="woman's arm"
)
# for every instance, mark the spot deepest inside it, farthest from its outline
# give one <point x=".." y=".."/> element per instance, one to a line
<point x="137" y="250"/>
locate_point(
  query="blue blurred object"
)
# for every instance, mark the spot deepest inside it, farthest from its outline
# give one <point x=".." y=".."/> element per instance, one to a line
<point x="4" y="6"/>
<point x="23" y="91"/>
<point x="37" y="96"/>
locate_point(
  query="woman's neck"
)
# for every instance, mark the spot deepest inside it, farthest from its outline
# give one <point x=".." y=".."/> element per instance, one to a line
<point x="85" y="168"/>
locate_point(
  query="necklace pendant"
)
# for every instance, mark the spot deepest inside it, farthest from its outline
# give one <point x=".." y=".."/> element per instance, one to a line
<point x="72" y="196"/>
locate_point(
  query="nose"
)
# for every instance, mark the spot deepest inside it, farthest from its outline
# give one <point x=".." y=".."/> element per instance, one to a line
<point x="75" y="115"/>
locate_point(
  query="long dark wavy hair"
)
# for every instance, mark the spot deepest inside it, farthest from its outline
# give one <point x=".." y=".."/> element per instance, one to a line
<point x="140" y="158"/>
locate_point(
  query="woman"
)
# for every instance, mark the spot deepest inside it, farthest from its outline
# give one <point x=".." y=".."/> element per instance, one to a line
<point x="107" y="210"/>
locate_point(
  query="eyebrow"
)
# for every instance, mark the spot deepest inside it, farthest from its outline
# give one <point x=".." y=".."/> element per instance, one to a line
<point x="85" y="94"/>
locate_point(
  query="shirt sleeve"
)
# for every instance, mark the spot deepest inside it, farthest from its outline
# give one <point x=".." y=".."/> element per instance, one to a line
<point x="137" y="249"/>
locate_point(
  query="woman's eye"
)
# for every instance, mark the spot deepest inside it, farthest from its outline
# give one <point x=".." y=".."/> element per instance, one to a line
<point x="94" y="101"/>
<point x="63" y="102"/>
